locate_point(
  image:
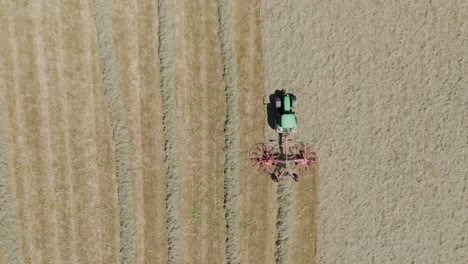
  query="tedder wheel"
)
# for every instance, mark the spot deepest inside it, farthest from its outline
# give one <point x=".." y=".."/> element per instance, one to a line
<point x="277" y="102"/>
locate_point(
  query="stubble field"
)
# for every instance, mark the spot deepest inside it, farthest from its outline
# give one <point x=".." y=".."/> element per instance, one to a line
<point x="125" y="134"/>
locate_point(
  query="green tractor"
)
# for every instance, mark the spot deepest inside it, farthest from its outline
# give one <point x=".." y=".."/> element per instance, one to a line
<point x="285" y="121"/>
<point x="284" y="157"/>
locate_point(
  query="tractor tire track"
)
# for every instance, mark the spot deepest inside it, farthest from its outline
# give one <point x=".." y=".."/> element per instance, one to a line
<point x="166" y="55"/>
<point x="231" y="182"/>
<point x="120" y="132"/>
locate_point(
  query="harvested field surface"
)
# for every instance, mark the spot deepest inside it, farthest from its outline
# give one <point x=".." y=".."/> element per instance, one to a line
<point x="126" y="128"/>
<point x="382" y="93"/>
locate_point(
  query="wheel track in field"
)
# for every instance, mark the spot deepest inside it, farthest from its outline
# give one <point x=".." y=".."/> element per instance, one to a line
<point x="231" y="182"/>
<point x="120" y="133"/>
<point x="166" y="55"/>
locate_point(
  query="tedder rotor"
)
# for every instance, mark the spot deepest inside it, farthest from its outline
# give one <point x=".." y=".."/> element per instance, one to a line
<point x="284" y="157"/>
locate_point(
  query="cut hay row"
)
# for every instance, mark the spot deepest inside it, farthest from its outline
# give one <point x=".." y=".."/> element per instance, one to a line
<point x="283" y="220"/>
<point x="166" y="55"/>
<point x="120" y="132"/>
<point x="303" y="215"/>
<point x="231" y="181"/>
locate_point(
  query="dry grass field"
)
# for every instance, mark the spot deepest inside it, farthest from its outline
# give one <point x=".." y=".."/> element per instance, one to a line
<point x="383" y="93"/>
<point x="125" y="128"/>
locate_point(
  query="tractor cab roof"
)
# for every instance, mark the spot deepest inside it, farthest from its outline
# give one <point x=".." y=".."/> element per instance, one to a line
<point x="288" y="121"/>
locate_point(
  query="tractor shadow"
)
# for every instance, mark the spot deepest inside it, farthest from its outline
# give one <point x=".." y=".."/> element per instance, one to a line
<point x="271" y="109"/>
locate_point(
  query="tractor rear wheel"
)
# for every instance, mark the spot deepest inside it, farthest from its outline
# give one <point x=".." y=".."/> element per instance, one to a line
<point x="277" y="102"/>
<point x="293" y="103"/>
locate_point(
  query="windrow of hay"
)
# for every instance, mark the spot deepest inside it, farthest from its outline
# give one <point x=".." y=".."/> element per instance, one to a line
<point x="120" y="133"/>
<point x="282" y="225"/>
<point x="166" y="55"/>
<point x="231" y="182"/>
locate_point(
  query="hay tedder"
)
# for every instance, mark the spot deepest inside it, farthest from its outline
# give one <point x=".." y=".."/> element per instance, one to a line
<point x="285" y="157"/>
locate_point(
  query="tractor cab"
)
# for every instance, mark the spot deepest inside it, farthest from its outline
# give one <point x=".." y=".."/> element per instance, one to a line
<point x="286" y="121"/>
